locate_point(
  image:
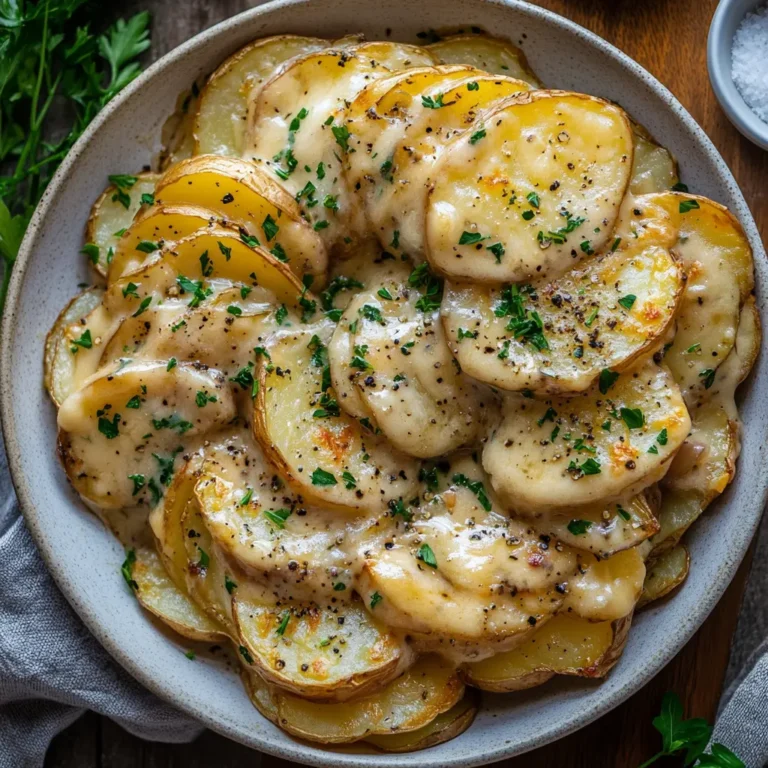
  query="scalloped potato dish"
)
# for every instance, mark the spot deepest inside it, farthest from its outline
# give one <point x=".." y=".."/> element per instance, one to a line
<point x="405" y="374"/>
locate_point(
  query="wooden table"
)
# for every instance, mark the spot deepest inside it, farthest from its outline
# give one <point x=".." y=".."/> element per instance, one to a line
<point x="669" y="39"/>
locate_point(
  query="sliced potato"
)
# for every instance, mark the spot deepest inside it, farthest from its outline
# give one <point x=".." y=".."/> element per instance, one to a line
<point x="59" y="359"/>
<point x="261" y="695"/>
<point x="430" y="687"/>
<point x="160" y="596"/>
<point x="717" y="258"/>
<point x="327" y="652"/>
<point x="408" y="129"/>
<point x="394" y="56"/>
<point x="653" y="167"/>
<point x="272" y="535"/>
<point x="605" y="529"/>
<point x="444" y="727"/>
<point x="207" y="573"/>
<point x="606" y="589"/>
<point x="560" y="454"/>
<point x="116" y="439"/>
<point x="155" y="226"/>
<point x="665" y="573"/>
<point x="491" y="54"/>
<point x="208" y="335"/>
<point x="240" y="194"/>
<point x="525" y="210"/>
<point x="219" y="125"/>
<point x="297" y="136"/>
<point x="566" y="645"/>
<point x="706" y="462"/>
<point x="335" y="460"/>
<point x="216" y="259"/>
<point x="112" y="213"/>
<point x="558" y="336"/>
<point x="177" y="134"/>
<point x="406" y="376"/>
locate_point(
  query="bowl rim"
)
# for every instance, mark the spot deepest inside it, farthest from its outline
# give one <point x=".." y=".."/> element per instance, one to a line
<point x="719" y="66"/>
<point x="285" y="746"/>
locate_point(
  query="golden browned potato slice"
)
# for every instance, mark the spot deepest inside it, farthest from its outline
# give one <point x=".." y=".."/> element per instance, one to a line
<point x="297" y="135"/>
<point x="330" y="459"/>
<point x="717" y="258"/>
<point x="606" y="589"/>
<point x="155" y="226"/>
<point x="406" y="377"/>
<point x="557" y="336"/>
<point x="566" y="645"/>
<point x="219" y="124"/>
<point x="706" y="463"/>
<point x="605" y="529"/>
<point x="491" y="54"/>
<point x="399" y="138"/>
<point x="244" y="197"/>
<point x="60" y="348"/>
<point x="665" y="573"/>
<point x="394" y="56"/>
<point x="119" y="433"/>
<point x="160" y="596"/>
<point x="328" y="652"/>
<point x="444" y="727"/>
<point x="653" y="167"/>
<point x="559" y="454"/>
<point x="430" y="687"/>
<point x="200" y="266"/>
<point x="525" y="210"/>
<point x="113" y="213"/>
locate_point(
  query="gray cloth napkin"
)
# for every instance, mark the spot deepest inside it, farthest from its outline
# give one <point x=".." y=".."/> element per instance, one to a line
<point x="51" y="668"/>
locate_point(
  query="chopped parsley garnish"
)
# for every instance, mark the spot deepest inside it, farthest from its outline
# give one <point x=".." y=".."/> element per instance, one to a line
<point x="165" y="463"/>
<point x="202" y="398"/>
<point x="196" y="288"/>
<point x="110" y="429"/>
<point x="549" y="415"/>
<point x="249" y="240"/>
<point x="579" y="527"/>
<point x="229" y="585"/>
<point x="606" y="380"/>
<point x="369" y="312"/>
<point x="134" y="402"/>
<point x="318" y="225"/>
<point x="591" y="319"/>
<point x="376" y="598"/>
<point x="341" y="134"/>
<point x="477" y="135"/>
<point x="385" y="169"/>
<point x="633" y="417"/>
<point x="270" y="228"/>
<point x="277" y="516"/>
<point x="331" y="202"/>
<point x="143" y="306"/>
<point x="528" y="215"/>
<point x="427" y="556"/>
<point x="616" y="244"/>
<point x="708" y="377"/>
<point x="130" y="290"/>
<point x="694" y="348"/>
<point x="338" y="284"/>
<point x="688" y="205"/>
<point x="174" y="421"/>
<point x="349" y="480"/>
<point x="558" y="236"/>
<point x="398" y="509"/>
<point x="384" y="294"/>
<point x="171" y="364"/>
<point x="85" y="341"/>
<point x="147" y="246"/>
<point x="470" y="238"/>
<point x="283" y="623"/>
<point x="358" y="360"/>
<point x="246" y="498"/>
<point x="525" y="325"/>
<point x="127" y="569"/>
<point x="433" y="103"/>
<point x="467" y="334"/>
<point x="244" y="378"/>
<point x="588" y="467"/>
<point x="321" y="477"/>
<point x="139" y="481"/>
<point x="662" y="437"/>
<point x="653" y="449"/>
<point x="477" y="487"/>
<point x="328" y="407"/>
<point x="628" y="301"/>
<point x="533" y="199"/>
<point x="497" y="249"/>
<point x="245" y="653"/>
<point x="234" y="310"/>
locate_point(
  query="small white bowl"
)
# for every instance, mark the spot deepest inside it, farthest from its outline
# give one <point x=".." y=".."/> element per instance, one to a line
<point x="725" y="22"/>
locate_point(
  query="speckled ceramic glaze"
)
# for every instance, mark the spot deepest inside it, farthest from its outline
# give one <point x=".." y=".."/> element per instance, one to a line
<point x="85" y="559"/>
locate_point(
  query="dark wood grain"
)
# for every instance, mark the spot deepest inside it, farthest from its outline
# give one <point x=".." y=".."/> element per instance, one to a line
<point x="669" y="39"/>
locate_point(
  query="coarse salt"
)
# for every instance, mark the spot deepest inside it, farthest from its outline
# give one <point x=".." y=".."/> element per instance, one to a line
<point x="749" y="61"/>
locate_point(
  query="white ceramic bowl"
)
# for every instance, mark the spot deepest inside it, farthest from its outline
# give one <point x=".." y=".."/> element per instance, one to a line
<point x="85" y="559"/>
<point x="725" y="22"/>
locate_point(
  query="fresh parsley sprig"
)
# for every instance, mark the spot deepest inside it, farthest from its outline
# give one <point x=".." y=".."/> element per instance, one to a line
<point x="48" y="53"/>
<point x="688" y="738"/>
